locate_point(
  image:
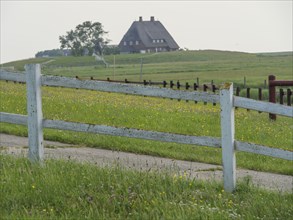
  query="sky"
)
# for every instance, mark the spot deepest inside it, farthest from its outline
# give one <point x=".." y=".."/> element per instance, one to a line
<point x="248" y="26"/>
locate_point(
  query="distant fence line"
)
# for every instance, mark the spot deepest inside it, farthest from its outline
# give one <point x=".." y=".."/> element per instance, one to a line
<point x="35" y="121"/>
<point x="284" y="96"/>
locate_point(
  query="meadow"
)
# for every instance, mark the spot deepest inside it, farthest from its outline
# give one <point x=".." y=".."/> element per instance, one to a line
<point x="151" y="114"/>
<point x="159" y="114"/>
<point x="185" y="66"/>
<point x="68" y="190"/>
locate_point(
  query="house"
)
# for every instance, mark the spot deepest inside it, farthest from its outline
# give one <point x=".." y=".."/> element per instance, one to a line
<point x="146" y="37"/>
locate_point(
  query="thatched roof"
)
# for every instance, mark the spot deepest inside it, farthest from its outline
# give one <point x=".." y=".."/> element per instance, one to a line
<point x="150" y="34"/>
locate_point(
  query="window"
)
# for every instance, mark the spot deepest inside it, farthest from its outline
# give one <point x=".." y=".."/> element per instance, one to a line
<point x="162" y="41"/>
<point x="130" y="43"/>
<point x="136" y="42"/>
<point x="124" y="43"/>
<point x="158" y="41"/>
<point x="154" y="41"/>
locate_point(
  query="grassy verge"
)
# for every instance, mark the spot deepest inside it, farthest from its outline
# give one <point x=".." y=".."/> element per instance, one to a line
<point x="151" y="114"/>
<point x="67" y="190"/>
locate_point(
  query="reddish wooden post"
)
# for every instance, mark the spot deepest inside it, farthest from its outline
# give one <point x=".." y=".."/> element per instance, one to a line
<point x="272" y="94"/>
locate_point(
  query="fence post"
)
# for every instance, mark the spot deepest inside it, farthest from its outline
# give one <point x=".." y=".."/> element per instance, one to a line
<point x="227" y="132"/>
<point x="205" y="87"/>
<point x="35" y="115"/>
<point x="259" y="95"/>
<point x="289" y="93"/>
<point x="272" y="95"/>
<point x="282" y="96"/>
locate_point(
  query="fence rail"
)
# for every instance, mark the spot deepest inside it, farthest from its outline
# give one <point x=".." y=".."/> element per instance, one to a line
<point x="150" y="135"/>
<point x="283" y="96"/>
<point x="228" y="102"/>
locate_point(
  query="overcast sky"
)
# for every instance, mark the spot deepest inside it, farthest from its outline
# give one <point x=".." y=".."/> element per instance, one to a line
<point x="249" y="26"/>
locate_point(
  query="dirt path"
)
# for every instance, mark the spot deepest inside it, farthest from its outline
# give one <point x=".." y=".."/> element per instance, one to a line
<point x="10" y="144"/>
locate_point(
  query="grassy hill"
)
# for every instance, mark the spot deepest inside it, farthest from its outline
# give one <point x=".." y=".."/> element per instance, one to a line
<point x="55" y="190"/>
<point x="185" y="66"/>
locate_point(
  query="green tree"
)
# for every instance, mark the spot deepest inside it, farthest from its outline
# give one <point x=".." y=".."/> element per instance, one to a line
<point x="87" y="38"/>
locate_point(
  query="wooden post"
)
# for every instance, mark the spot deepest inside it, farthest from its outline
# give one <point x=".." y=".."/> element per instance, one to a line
<point x="195" y="88"/>
<point x="35" y="115"/>
<point x="237" y="91"/>
<point x="282" y="96"/>
<point x="289" y="93"/>
<point x="227" y="132"/>
<point x="272" y="95"/>
<point x="164" y="84"/>
<point x="205" y="87"/>
<point x="178" y="84"/>
<point x="214" y="91"/>
<point x="248" y="95"/>
<point x="259" y="96"/>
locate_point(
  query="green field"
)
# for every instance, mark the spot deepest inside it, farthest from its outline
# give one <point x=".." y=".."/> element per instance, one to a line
<point x="159" y="114"/>
<point x="185" y="66"/>
<point x="67" y="190"/>
<point x="151" y="114"/>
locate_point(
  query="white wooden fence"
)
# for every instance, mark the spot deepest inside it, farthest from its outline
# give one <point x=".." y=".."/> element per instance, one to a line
<point x="228" y="102"/>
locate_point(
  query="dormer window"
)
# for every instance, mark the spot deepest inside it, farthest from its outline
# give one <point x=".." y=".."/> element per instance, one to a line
<point x="154" y="41"/>
<point x="124" y="43"/>
<point x="158" y="41"/>
<point x="162" y="41"/>
<point x="136" y="42"/>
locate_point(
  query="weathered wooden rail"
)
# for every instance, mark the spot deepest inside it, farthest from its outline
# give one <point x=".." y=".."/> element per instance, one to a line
<point x="272" y="92"/>
<point x="35" y="122"/>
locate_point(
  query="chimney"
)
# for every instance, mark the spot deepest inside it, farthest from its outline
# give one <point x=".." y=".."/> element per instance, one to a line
<point x="152" y="18"/>
<point x="140" y="18"/>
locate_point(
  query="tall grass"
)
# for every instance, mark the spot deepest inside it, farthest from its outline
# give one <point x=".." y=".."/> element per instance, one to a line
<point x="67" y="190"/>
<point x="151" y="114"/>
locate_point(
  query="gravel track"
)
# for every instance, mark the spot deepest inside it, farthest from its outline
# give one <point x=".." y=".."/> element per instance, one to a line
<point x="10" y="144"/>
